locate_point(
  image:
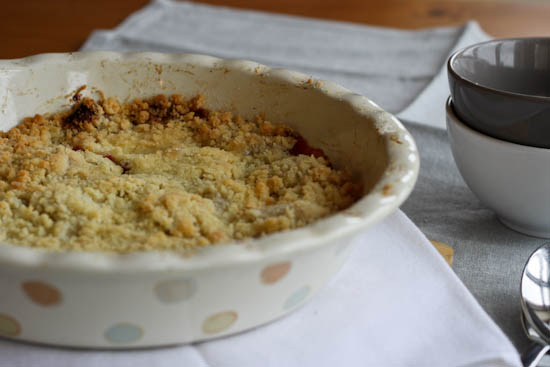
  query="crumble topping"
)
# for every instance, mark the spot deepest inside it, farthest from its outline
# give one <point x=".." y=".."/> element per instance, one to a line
<point x="157" y="174"/>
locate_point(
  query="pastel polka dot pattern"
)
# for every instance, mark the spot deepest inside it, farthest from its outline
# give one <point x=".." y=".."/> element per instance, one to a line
<point x="9" y="326"/>
<point x="297" y="297"/>
<point x="219" y="322"/>
<point x="176" y="290"/>
<point x="273" y="273"/>
<point x="123" y="333"/>
<point x="42" y="293"/>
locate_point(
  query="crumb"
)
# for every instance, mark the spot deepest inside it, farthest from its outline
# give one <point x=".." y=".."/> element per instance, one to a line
<point x="395" y="139"/>
<point x="77" y="96"/>
<point x="386" y="190"/>
<point x="162" y="173"/>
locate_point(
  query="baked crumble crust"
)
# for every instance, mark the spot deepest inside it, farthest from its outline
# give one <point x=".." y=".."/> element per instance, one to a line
<point x="157" y="174"/>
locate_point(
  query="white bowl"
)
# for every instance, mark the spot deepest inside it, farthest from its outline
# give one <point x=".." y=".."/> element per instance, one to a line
<point x="513" y="180"/>
<point x="159" y="298"/>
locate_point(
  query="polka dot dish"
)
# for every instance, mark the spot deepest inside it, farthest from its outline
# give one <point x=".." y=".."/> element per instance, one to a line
<point x="148" y="299"/>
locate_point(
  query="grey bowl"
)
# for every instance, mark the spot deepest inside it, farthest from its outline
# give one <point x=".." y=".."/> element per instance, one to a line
<point x="502" y="88"/>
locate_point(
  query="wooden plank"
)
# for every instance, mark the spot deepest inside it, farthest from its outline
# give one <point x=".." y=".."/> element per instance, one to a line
<point x="500" y="18"/>
<point x="37" y="26"/>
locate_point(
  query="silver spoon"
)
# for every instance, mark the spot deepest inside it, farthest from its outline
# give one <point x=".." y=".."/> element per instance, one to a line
<point x="535" y="303"/>
<point x="533" y="355"/>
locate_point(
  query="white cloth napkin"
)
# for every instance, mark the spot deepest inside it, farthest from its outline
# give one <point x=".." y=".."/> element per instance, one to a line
<point x="395" y="302"/>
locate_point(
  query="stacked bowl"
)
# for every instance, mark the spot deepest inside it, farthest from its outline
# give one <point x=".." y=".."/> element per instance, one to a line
<point x="498" y="121"/>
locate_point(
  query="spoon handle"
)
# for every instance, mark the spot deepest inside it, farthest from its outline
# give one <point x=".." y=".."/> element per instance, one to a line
<point x="532" y="356"/>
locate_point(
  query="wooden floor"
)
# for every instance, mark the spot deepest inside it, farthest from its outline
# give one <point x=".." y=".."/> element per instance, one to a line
<point x="36" y="26"/>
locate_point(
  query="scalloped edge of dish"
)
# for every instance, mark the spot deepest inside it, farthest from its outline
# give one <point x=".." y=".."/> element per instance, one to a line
<point x="400" y="174"/>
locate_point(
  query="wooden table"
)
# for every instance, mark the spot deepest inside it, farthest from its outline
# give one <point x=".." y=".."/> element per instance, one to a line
<point x="37" y="26"/>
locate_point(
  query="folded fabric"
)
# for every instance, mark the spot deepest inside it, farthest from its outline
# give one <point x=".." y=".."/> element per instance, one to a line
<point x="395" y="302"/>
<point x="390" y="65"/>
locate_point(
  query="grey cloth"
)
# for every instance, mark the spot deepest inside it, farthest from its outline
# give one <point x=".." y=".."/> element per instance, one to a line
<point x="489" y="257"/>
<point x="390" y="66"/>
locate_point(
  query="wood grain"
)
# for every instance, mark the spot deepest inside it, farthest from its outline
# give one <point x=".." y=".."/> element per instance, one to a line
<point x="500" y="18"/>
<point x="37" y="26"/>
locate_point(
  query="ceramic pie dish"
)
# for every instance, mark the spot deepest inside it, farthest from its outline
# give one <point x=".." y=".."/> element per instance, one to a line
<point x="107" y="300"/>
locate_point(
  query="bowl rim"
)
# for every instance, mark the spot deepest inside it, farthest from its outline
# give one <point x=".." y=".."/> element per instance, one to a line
<point x="400" y="175"/>
<point x="449" y="107"/>
<point x="455" y="74"/>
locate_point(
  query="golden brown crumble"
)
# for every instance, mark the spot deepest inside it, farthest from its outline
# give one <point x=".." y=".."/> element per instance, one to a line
<point x="157" y="174"/>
